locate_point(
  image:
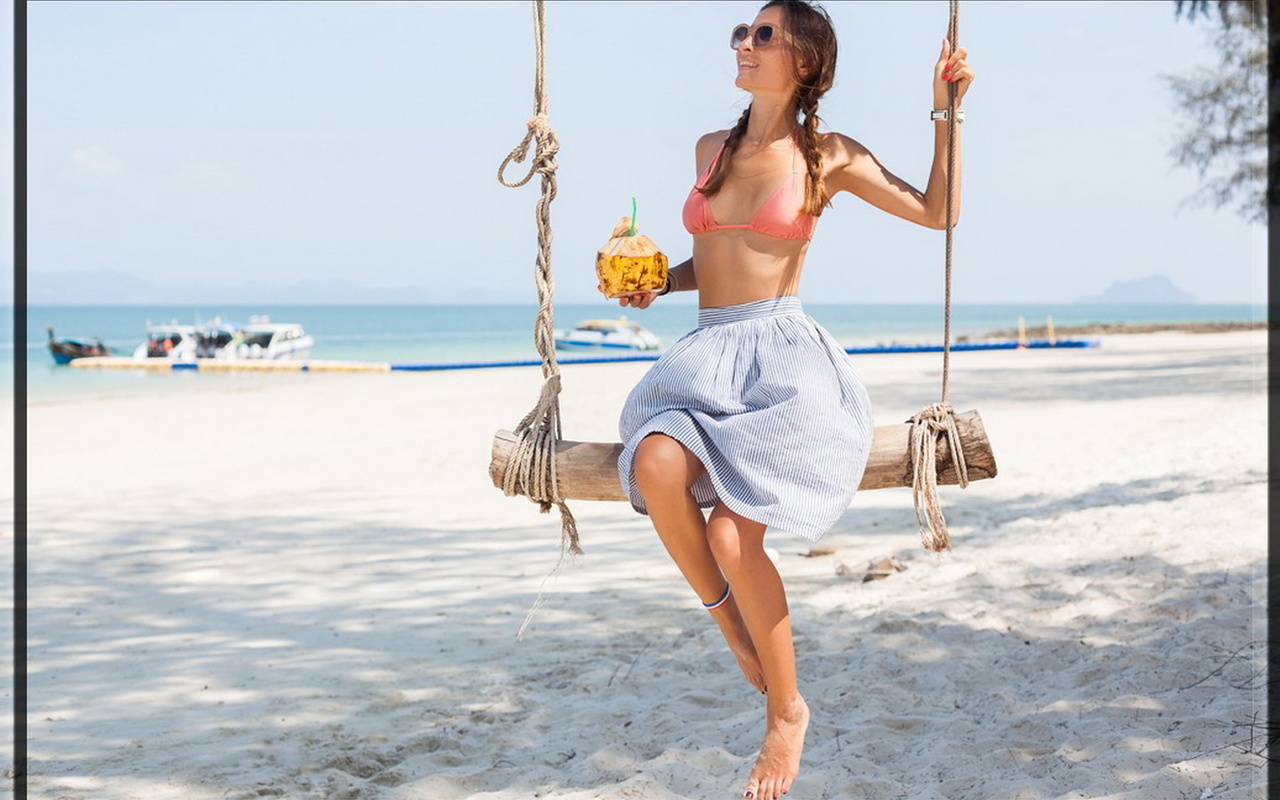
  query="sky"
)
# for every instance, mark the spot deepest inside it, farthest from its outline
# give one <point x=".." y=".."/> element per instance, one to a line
<point x="356" y="144"/>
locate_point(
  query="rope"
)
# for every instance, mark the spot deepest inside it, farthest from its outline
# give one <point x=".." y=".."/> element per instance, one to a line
<point x="927" y="426"/>
<point x="531" y="471"/>
<point x="939" y="419"/>
<point x="953" y="30"/>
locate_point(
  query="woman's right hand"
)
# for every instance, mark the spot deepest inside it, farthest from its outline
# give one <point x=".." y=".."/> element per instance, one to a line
<point x="640" y="300"/>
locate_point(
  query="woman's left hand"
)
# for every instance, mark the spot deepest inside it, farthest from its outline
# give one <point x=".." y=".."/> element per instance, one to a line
<point x="951" y="69"/>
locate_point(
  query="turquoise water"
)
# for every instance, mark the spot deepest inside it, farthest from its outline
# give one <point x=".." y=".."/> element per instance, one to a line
<point x="419" y="334"/>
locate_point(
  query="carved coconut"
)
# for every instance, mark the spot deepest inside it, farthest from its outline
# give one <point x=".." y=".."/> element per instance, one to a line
<point x="630" y="264"/>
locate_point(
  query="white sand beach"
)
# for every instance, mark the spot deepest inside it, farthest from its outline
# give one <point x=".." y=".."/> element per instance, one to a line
<point x="305" y="586"/>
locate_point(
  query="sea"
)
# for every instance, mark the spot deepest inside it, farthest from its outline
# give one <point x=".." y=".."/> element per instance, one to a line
<point x="470" y="333"/>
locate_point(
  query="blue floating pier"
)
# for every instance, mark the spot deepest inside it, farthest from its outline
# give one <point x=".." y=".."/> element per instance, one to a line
<point x="527" y="362"/>
<point x="965" y="346"/>
<point x="880" y="348"/>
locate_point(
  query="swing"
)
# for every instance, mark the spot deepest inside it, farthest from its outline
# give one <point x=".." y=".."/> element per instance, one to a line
<point x="936" y="446"/>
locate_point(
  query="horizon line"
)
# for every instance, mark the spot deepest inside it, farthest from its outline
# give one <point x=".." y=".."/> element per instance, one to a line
<point x="690" y="303"/>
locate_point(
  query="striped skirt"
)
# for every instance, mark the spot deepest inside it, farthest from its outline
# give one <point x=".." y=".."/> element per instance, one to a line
<point x="768" y="402"/>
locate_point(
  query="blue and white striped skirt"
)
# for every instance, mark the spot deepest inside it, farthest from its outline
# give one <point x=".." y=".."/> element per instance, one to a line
<point x="768" y="402"/>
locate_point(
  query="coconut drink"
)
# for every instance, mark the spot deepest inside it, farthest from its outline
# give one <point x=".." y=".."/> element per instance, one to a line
<point x="630" y="262"/>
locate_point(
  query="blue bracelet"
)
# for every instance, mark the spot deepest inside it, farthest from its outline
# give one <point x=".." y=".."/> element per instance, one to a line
<point x="723" y="598"/>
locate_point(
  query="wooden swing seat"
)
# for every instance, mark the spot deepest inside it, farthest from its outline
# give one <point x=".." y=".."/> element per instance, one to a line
<point x="589" y="470"/>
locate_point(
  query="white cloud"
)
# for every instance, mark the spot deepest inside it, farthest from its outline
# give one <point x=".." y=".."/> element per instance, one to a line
<point x="94" y="163"/>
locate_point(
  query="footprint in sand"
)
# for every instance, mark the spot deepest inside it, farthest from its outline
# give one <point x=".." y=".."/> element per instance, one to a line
<point x="361" y="765"/>
<point x="703" y="699"/>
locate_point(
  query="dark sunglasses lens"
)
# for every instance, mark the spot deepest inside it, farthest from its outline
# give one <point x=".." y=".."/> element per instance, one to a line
<point x="764" y="35"/>
<point x="739" y="36"/>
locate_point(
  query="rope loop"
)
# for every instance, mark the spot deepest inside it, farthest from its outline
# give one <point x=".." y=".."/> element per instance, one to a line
<point x="538" y="132"/>
<point x="545" y="413"/>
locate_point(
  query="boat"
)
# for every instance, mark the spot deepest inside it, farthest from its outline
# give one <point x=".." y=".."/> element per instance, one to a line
<point x="217" y="339"/>
<point x="606" y="334"/>
<point x="64" y="350"/>
<point x="168" y="340"/>
<point x="262" y="338"/>
<point x="259" y="340"/>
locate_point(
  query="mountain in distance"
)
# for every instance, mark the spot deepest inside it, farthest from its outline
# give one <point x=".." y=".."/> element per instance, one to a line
<point x="1153" y="289"/>
<point x="112" y="287"/>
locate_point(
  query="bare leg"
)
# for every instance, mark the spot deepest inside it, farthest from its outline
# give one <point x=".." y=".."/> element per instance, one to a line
<point x="738" y="546"/>
<point x="665" y="469"/>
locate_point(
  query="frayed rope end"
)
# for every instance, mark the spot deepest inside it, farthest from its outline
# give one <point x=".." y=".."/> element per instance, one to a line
<point x="930" y="424"/>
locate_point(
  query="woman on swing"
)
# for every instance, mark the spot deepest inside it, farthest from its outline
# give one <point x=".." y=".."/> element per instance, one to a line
<point x="757" y="413"/>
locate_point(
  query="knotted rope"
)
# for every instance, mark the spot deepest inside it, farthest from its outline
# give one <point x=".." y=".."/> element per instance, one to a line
<point x="531" y="471"/>
<point x="927" y="427"/>
<point x="939" y="419"/>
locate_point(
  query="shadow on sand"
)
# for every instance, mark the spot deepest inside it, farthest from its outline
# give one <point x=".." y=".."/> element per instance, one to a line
<point x="326" y="659"/>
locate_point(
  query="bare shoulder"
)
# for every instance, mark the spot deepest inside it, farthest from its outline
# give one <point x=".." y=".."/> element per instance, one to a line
<point x="712" y="139"/>
<point x="706" y="148"/>
<point x="839" y="151"/>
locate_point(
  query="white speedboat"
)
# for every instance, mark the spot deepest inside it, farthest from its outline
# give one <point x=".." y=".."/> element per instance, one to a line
<point x="265" y="339"/>
<point x="171" y="340"/>
<point x="606" y="334"/>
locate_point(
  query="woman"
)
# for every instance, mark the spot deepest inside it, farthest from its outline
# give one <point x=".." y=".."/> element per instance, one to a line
<point x="757" y="414"/>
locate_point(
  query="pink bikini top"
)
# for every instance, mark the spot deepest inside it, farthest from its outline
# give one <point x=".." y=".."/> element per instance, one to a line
<point x="780" y="215"/>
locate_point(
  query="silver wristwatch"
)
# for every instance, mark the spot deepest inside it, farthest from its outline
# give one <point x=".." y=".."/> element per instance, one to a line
<point x="942" y="114"/>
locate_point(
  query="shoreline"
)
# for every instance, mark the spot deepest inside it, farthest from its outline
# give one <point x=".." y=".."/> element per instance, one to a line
<point x="67" y="385"/>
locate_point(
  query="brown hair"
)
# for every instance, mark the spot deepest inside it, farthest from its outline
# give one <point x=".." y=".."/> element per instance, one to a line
<point x="813" y="42"/>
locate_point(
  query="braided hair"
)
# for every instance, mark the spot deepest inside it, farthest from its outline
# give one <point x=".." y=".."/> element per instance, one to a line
<point x="813" y="43"/>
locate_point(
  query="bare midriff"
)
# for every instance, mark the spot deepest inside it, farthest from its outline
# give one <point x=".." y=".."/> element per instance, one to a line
<point x="739" y="265"/>
<point x="736" y="263"/>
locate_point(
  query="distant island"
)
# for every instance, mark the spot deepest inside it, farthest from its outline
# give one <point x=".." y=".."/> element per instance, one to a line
<point x="1155" y="289"/>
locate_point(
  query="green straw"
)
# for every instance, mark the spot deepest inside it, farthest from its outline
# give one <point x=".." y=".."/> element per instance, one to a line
<point x="632" y="232"/>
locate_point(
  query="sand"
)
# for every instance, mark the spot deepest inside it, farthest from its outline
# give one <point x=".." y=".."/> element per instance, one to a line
<point x="304" y="586"/>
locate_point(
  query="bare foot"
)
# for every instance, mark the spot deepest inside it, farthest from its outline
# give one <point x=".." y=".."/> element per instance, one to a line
<point x="735" y="633"/>
<point x="779" y="760"/>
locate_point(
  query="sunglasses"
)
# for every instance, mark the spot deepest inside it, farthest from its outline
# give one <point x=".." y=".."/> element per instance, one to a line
<point x="761" y="37"/>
